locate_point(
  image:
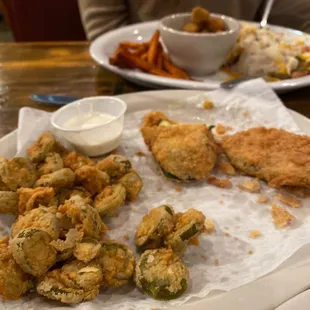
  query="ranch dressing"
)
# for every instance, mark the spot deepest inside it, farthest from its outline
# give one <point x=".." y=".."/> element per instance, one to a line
<point x="88" y="120"/>
<point x="90" y="138"/>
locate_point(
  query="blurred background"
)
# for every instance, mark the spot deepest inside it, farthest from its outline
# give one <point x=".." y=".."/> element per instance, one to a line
<point x="40" y="20"/>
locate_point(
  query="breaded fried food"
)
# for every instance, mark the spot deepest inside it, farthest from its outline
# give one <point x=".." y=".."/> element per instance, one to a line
<point x="279" y="157"/>
<point x="152" y="125"/>
<point x="114" y="165"/>
<point x="75" y="161"/>
<point x="42" y="218"/>
<point x="8" y="202"/>
<point x="45" y="143"/>
<point x="161" y="274"/>
<point x="66" y="193"/>
<point x="14" y="282"/>
<point x="87" y="249"/>
<point x="157" y="224"/>
<point x="133" y="185"/>
<point x="31" y="198"/>
<point x="108" y="201"/>
<point x="93" y="179"/>
<point x="189" y="225"/>
<point x="32" y="251"/>
<point x="66" y="244"/>
<point x="17" y="172"/>
<point x="63" y="178"/>
<point x="52" y="162"/>
<point x="185" y="152"/>
<point x="117" y="262"/>
<point x="83" y="216"/>
<point x="73" y="283"/>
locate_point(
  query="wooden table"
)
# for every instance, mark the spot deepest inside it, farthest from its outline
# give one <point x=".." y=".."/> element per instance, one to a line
<point x="65" y="68"/>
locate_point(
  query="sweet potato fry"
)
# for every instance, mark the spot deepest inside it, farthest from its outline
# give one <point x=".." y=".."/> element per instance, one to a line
<point x="134" y="62"/>
<point x="153" y="49"/>
<point x="130" y="45"/>
<point x="140" y="50"/>
<point x="173" y="69"/>
<point x="144" y="56"/>
<point x="114" y="59"/>
<point x="160" y="62"/>
<point x="160" y="72"/>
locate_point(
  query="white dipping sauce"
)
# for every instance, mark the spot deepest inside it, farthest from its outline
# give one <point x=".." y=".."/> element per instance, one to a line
<point x="88" y="120"/>
<point x="95" y="141"/>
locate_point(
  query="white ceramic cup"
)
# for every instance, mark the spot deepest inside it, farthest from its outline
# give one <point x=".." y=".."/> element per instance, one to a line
<point x="198" y="53"/>
<point x="98" y="139"/>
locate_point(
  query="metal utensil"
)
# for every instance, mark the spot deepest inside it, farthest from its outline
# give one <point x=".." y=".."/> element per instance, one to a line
<point x="267" y="9"/>
<point x="233" y="83"/>
<point x="52" y="99"/>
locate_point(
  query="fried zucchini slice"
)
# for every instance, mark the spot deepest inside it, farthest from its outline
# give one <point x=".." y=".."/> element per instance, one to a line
<point x="8" y="202"/>
<point x="83" y="216"/>
<point x="32" y="251"/>
<point x="117" y="262"/>
<point x="42" y="218"/>
<point x="132" y="183"/>
<point x="63" y="178"/>
<point x="73" y="283"/>
<point x="110" y="199"/>
<point x="14" y="282"/>
<point x="158" y="223"/>
<point x="114" y="165"/>
<point x="52" y="162"/>
<point x="18" y="172"/>
<point x="39" y="149"/>
<point x="161" y="274"/>
<point x="75" y="161"/>
<point x="87" y="249"/>
<point x="188" y="226"/>
<point x="93" y="179"/>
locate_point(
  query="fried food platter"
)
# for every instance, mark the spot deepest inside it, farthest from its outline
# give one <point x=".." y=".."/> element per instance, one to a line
<point x="158" y="101"/>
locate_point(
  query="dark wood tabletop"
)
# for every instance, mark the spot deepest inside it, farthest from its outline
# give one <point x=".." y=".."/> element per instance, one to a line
<point x="66" y="68"/>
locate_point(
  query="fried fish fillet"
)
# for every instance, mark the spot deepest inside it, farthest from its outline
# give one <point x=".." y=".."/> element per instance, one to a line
<point x="185" y="152"/>
<point x="274" y="155"/>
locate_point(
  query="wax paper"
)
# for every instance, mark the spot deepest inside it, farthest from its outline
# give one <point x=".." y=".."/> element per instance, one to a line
<point x="226" y="259"/>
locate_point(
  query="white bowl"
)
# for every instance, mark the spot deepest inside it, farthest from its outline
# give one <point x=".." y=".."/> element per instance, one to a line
<point x="97" y="139"/>
<point x="197" y="53"/>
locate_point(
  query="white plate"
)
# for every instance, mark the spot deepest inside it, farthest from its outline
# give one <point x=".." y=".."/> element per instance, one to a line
<point x="266" y="293"/>
<point x="105" y="45"/>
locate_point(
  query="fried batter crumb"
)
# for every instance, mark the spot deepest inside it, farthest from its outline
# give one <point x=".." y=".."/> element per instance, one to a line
<point x="222" y="183"/>
<point x="288" y="200"/>
<point x="208" y="105"/>
<point x="253" y="234"/>
<point x="209" y="226"/>
<point x="126" y="237"/>
<point x="227" y="168"/>
<point x="251" y="186"/>
<point x="140" y="154"/>
<point x="281" y="218"/>
<point x="245" y="114"/>
<point x="194" y="241"/>
<point x="216" y="262"/>
<point x="221" y="129"/>
<point x="262" y="199"/>
<point x="227" y="235"/>
<point x="221" y="202"/>
<point x="179" y="189"/>
<point x="250" y="252"/>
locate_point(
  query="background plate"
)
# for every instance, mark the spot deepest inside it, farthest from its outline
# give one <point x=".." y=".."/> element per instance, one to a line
<point x="105" y="45"/>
